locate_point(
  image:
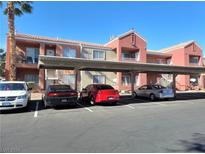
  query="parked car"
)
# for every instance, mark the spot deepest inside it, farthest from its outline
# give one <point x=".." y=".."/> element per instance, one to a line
<point x="58" y="95"/>
<point x="154" y="92"/>
<point x="14" y="94"/>
<point x="98" y="93"/>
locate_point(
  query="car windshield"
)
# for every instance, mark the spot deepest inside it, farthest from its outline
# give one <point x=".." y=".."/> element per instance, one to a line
<point x="104" y="87"/>
<point x="12" y="86"/>
<point x="158" y="87"/>
<point x="60" y="88"/>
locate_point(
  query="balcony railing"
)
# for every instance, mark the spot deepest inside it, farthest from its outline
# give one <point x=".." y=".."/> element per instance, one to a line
<point x="130" y="59"/>
<point x="28" y="60"/>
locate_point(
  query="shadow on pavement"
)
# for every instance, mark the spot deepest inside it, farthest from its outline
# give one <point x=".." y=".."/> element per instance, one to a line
<point x="30" y="108"/>
<point x="189" y="96"/>
<point x="196" y="144"/>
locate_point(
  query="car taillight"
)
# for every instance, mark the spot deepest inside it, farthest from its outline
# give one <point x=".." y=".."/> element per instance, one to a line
<point x="51" y="94"/>
<point x="72" y="94"/>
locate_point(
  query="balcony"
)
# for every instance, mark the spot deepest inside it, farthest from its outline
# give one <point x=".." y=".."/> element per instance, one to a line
<point x="130" y="56"/>
<point x="27" y="62"/>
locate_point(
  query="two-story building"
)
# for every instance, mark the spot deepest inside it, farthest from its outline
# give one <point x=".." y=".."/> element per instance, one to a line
<point x="129" y="46"/>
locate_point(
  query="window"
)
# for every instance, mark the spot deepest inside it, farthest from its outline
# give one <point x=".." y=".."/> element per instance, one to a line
<point x="69" y="79"/>
<point x="59" y="88"/>
<point x="99" y="79"/>
<point x="99" y="55"/>
<point x="51" y="74"/>
<point x="104" y="87"/>
<point x="50" y="52"/>
<point x="32" y="55"/>
<point x="159" y="61"/>
<point x="143" y="87"/>
<point x="68" y="52"/>
<point x="168" y="61"/>
<point x="130" y="55"/>
<point x="126" y="79"/>
<point x="193" y="59"/>
<point x="31" y="78"/>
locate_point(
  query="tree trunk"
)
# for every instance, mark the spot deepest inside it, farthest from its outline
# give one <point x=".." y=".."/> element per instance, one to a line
<point x="11" y="39"/>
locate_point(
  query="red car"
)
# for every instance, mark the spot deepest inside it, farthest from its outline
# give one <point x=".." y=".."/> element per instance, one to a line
<point x="99" y="93"/>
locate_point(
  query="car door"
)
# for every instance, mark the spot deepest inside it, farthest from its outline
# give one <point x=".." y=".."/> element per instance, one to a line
<point x="141" y="91"/>
<point x="148" y="91"/>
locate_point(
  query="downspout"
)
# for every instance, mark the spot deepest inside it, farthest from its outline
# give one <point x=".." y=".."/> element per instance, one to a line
<point x="81" y="50"/>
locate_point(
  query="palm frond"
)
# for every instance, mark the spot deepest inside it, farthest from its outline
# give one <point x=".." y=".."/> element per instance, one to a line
<point x="26" y="7"/>
<point x="18" y="12"/>
<point x="5" y="11"/>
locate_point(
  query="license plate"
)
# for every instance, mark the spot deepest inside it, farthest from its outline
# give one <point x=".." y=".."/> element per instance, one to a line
<point x="64" y="100"/>
<point x="6" y="104"/>
<point x="110" y="98"/>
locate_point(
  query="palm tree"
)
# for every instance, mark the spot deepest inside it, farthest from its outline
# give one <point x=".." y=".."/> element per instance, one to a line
<point x="14" y="8"/>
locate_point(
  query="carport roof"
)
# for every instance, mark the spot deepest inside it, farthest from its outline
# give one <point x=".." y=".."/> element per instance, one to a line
<point x="64" y="63"/>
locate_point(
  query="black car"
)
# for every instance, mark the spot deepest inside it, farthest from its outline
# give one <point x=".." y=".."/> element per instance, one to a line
<point x="58" y="95"/>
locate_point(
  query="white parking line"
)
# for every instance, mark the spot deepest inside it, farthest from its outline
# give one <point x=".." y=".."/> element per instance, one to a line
<point x="131" y="107"/>
<point x="36" y="110"/>
<point x="85" y="107"/>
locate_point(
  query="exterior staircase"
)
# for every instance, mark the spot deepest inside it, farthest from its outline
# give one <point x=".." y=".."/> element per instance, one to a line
<point x="166" y="80"/>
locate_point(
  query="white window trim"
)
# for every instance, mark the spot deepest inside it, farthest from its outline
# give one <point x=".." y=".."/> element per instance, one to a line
<point x="127" y="52"/>
<point x="68" y="48"/>
<point x="33" y="58"/>
<point x="50" y="78"/>
<point x="98" y="58"/>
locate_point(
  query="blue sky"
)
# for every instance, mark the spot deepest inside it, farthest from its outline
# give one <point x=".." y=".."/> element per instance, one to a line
<point x="161" y="23"/>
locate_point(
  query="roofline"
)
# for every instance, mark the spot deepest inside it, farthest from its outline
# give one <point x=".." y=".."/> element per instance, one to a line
<point x="178" y="46"/>
<point x="196" y="44"/>
<point x="58" y="41"/>
<point x="158" y="53"/>
<point x="125" y="34"/>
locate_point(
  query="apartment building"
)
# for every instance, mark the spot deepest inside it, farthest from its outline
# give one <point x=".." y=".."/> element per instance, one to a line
<point x="129" y="47"/>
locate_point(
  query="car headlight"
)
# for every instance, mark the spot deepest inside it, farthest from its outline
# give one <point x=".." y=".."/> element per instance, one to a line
<point x="21" y="97"/>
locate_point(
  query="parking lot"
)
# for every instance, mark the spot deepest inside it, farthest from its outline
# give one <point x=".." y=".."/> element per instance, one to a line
<point x="133" y="125"/>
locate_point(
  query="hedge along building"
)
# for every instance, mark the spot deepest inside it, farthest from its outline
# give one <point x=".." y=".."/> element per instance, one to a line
<point x="128" y="47"/>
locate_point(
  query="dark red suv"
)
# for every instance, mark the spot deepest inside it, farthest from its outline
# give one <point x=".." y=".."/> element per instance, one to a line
<point x="98" y="93"/>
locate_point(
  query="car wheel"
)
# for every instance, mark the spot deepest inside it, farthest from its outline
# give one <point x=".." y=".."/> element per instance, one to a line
<point x="152" y="97"/>
<point x="134" y="95"/>
<point x="92" y="101"/>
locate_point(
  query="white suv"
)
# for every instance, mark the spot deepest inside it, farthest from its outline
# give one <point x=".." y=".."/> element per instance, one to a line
<point x="14" y="94"/>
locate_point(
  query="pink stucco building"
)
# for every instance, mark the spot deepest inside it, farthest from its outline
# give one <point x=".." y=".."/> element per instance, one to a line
<point x="129" y="46"/>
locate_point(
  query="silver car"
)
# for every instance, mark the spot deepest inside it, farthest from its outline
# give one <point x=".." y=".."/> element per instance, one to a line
<point x="154" y="92"/>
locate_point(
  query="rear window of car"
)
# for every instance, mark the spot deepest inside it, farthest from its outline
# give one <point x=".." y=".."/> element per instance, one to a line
<point x="59" y="88"/>
<point x="104" y="87"/>
<point x="158" y="87"/>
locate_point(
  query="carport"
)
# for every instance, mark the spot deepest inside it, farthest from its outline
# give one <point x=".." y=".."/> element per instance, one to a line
<point x="79" y="64"/>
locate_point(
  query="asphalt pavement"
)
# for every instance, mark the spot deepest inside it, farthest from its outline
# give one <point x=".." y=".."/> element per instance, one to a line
<point x="130" y="126"/>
